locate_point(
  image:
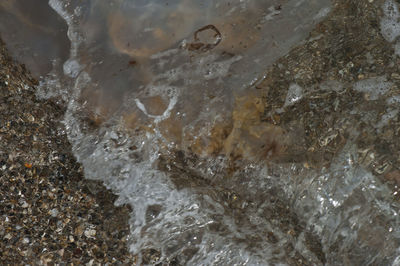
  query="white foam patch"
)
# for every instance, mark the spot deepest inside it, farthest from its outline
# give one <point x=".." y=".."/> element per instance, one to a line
<point x="72" y="68"/>
<point x="385" y="119"/>
<point x="273" y="12"/>
<point x="373" y="88"/>
<point x="390" y="25"/>
<point x="331" y="85"/>
<point x="397" y="48"/>
<point x="346" y="202"/>
<point x="73" y="33"/>
<point x="322" y="13"/>
<point x="395" y="100"/>
<point x="294" y="94"/>
<point x="50" y="86"/>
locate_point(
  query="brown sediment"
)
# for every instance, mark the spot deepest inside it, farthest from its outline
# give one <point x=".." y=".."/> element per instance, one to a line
<point x="49" y="214"/>
<point x="243" y="134"/>
<point x="250" y="137"/>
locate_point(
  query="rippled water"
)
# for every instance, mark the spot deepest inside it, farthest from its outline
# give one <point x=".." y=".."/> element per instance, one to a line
<point x="162" y="108"/>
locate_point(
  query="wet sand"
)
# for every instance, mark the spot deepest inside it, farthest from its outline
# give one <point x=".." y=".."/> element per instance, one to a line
<point x="49" y="214"/>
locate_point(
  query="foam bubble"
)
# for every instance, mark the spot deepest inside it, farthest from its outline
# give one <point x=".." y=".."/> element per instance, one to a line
<point x="72" y="68"/>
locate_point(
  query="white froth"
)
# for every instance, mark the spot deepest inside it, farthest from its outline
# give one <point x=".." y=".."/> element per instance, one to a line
<point x="72" y="68"/>
<point x="294" y="94"/>
<point x="397" y="48"/>
<point x="158" y="118"/>
<point x="322" y="13"/>
<point x="390" y="25"/>
<point x="331" y="85"/>
<point x="373" y="88"/>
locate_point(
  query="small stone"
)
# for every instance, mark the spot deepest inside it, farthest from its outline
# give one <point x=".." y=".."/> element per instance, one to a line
<point x="30" y="117"/>
<point x="54" y="212"/>
<point x="24" y="205"/>
<point x="8" y="236"/>
<point x="78" y="230"/>
<point x="90" y="233"/>
<point x="61" y="252"/>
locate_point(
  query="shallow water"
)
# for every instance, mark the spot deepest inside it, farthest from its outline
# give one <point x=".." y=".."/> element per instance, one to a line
<point x="162" y="108"/>
<point x="38" y="39"/>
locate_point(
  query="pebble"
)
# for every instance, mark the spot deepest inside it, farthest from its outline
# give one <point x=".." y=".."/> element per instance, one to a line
<point x="54" y="212"/>
<point x="90" y="233"/>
